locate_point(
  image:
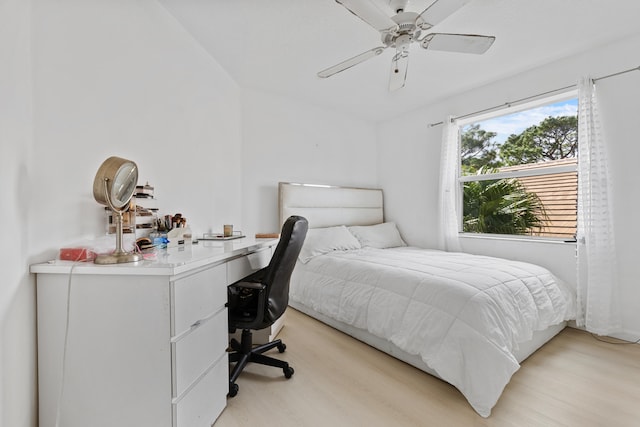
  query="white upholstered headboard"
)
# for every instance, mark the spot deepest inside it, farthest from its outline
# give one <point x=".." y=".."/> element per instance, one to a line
<point x="326" y="206"/>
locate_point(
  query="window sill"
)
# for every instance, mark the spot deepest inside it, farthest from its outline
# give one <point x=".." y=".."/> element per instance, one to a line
<point x="512" y="238"/>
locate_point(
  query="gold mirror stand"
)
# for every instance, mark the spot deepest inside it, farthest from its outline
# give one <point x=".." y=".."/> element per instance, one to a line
<point x="125" y="173"/>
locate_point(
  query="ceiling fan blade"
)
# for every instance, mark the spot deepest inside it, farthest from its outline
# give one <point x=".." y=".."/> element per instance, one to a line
<point x="351" y="62"/>
<point x="370" y="13"/>
<point x="462" y="43"/>
<point x="439" y="10"/>
<point x="399" y="67"/>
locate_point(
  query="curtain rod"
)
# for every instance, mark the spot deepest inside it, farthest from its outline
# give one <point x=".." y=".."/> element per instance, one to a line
<point x="518" y="101"/>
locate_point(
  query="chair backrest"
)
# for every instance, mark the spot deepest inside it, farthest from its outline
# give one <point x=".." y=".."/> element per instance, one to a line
<point x="294" y="231"/>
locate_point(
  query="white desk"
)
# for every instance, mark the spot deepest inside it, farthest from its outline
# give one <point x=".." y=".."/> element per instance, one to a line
<point x="146" y="342"/>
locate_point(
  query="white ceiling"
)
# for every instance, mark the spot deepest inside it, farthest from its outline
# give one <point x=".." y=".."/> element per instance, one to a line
<point x="279" y="45"/>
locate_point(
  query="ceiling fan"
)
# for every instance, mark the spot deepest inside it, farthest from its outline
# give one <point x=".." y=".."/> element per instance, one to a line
<point x="403" y="29"/>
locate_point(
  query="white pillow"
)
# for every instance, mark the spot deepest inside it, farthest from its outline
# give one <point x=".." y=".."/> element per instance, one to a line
<point x="385" y="235"/>
<point x="320" y="241"/>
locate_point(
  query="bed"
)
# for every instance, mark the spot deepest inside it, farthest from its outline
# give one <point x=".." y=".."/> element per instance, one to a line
<point x="469" y="320"/>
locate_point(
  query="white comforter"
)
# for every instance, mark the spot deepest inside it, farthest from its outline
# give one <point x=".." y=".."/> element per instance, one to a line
<point x="462" y="314"/>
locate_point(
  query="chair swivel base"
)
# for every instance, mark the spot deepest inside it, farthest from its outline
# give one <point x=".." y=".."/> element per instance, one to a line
<point x="244" y="353"/>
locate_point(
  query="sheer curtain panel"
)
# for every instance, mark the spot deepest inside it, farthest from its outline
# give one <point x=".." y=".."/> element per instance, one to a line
<point x="598" y="308"/>
<point x="449" y="187"/>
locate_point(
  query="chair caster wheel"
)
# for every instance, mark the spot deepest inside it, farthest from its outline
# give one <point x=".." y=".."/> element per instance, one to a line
<point x="233" y="389"/>
<point x="288" y="372"/>
<point x="282" y="347"/>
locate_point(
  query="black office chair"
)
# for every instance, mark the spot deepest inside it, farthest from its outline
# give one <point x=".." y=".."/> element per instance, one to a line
<point x="259" y="299"/>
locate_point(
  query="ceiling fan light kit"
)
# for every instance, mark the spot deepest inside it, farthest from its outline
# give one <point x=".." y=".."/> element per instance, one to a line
<point x="403" y="29"/>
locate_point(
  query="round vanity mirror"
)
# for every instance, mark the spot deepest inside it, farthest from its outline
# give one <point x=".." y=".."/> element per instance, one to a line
<point x="113" y="186"/>
<point x="124" y="184"/>
<point x="115" y="182"/>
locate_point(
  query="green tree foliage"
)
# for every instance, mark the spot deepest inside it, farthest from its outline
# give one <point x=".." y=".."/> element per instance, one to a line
<point x="504" y="206"/>
<point x="553" y="138"/>
<point x="501" y="207"/>
<point x="477" y="149"/>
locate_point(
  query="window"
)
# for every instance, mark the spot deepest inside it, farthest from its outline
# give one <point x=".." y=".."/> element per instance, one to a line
<point x="518" y="170"/>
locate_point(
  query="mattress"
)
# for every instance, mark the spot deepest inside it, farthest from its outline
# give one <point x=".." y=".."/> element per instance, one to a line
<point x="468" y="319"/>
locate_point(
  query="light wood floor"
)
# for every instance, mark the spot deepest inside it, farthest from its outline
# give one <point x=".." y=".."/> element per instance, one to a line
<point x="574" y="380"/>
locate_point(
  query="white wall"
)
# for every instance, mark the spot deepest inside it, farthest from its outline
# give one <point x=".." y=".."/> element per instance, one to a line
<point x="104" y="78"/>
<point x="17" y="292"/>
<point x="408" y="168"/>
<point x="123" y="78"/>
<point x="289" y="141"/>
<point x="409" y="152"/>
<point x="620" y="111"/>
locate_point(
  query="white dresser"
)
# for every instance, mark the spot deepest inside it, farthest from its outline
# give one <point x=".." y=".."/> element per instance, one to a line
<point x="146" y="342"/>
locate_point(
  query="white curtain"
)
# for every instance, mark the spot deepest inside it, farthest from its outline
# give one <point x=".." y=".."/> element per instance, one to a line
<point x="598" y="309"/>
<point x="449" y="187"/>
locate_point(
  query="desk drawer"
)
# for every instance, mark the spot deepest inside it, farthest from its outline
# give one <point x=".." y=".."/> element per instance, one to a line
<point x="196" y="351"/>
<point x="240" y="268"/>
<point x="196" y="297"/>
<point x="202" y="405"/>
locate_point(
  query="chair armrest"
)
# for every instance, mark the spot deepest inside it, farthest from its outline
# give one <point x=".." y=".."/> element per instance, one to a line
<point x="246" y="300"/>
<point x="252" y="281"/>
<point x="243" y="289"/>
<point x="249" y="285"/>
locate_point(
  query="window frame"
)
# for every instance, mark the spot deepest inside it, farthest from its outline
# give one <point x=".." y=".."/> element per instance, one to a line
<point x="509" y="109"/>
